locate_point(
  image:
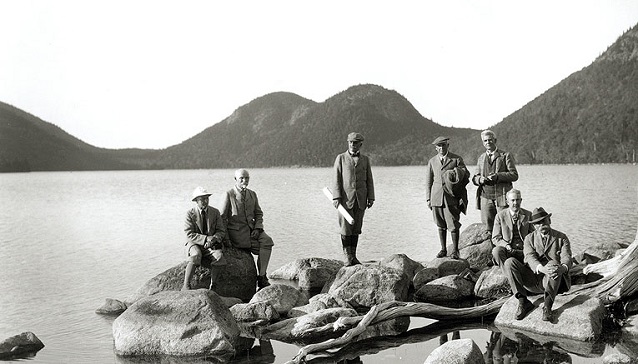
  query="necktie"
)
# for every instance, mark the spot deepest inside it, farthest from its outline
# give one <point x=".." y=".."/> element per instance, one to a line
<point x="204" y="223"/>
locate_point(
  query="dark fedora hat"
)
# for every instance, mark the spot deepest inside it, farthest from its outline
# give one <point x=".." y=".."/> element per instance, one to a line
<point x="538" y="215"/>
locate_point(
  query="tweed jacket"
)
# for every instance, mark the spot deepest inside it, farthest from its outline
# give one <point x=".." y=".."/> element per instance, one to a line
<point x="558" y="249"/>
<point x="352" y="181"/>
<point x="434" y="182"/>
<point x="241" y="216"/>
<point x="502" y="233"/>
<point x="504" y="167"/>
<point x="194" y="228"/>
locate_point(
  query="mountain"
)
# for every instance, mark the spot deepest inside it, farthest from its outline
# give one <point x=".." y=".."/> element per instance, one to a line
<point x="589" y="117"/>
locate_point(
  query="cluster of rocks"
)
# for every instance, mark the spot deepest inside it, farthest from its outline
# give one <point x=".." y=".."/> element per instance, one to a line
<point x="161" y="320"/>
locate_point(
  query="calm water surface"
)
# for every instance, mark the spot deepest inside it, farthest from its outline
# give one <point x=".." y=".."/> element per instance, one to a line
<point x="68" y="240"/>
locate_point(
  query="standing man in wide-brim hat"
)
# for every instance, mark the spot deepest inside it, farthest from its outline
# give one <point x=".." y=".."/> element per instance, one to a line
<point x="548" y="259"/>
<point x="445" y="182"/>
<point x="352" y="187"/>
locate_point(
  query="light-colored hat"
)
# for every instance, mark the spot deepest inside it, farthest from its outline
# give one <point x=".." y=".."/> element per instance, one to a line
<point x="440" y="140"/>
<point x="200" y="191"/>
<point x="355" y="137"/>
<point x="538" y="215"/>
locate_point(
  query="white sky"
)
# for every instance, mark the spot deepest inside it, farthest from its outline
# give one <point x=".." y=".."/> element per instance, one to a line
<point x="151" y="74"/>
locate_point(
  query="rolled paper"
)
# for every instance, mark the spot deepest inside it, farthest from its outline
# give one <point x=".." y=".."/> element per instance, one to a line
<point x="342" y="210"/>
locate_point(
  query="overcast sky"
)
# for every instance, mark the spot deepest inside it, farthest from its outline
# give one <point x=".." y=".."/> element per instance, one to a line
<point x="151" y="74"/>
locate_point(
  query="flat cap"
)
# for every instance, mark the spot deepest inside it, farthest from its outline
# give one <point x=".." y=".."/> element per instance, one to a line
<point x="355" y="137"/>
<point x="440" y="140"/>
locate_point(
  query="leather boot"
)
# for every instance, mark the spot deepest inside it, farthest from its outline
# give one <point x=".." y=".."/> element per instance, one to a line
<point x="354" y="241"/>
<point x="214" y="276"/>
<point x="442" y="240"/>
<point x="345" y="244"/>
<point x="455" y="245"/>
<point x="547" y="309"/>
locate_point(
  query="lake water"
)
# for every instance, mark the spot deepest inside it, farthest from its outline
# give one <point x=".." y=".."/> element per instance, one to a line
<point x="68" y="240"/>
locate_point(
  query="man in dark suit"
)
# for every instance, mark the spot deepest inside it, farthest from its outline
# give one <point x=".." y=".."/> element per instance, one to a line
<point x="244" y="220"/>
<point x="511" y="226"/>
<point x="353" y="187"/>
<point x="445" y="183"/>
<point x="548" y="259"/>
<point x="495" y="173"/>
<point x="204" y="232"/>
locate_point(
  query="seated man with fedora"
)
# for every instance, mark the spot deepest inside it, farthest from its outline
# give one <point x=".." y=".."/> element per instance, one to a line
<point x="548" y="259"/>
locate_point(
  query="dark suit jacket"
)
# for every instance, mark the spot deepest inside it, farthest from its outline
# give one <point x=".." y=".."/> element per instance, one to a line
<point x="502" y="233"/>
<point x="434" y="189"/>
<point x="558" y="249"/>
<point x="241" y="217"/>
<point x="506" y="173"/>
<point x="352" y="181"/>
<point x="193" y="226"/>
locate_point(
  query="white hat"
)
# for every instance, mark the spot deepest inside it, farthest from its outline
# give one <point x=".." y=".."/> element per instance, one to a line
<point x="200" y="191"/>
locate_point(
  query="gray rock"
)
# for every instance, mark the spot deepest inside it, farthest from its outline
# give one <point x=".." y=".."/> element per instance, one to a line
<point x="111" y="307"/>
<point x="190" y="323"/>
<point x="472" y="235"/>
<point x="425" y="275"/>
<point x="20" y="345"/>
<point x="619" y="358"/>
<point x="576" y="317"/>
<point x="492" y="283"/>
<point x="281" y="297"/>
<point x="363" y="286"/>
<point x="448" y="288"/>
<point x="402" y="263"/>
<point x="599" y="252"/>
<point x="237" y="279"/>
<point x="448" y="266"/>
<point x="255" y="311"/>
<point x="294" y="329"/>
<point x="479" y="255"/>
<point x="309" y="272"/>
<point x="461" y="351"/>
<point x="317" y="303"/>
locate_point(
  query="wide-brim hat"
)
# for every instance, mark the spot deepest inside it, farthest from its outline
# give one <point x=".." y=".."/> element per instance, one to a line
<point x="440" y="140"/>
<point x="355" y="137"/>
<point x="539" y="214"/>
<point x="198" y="192"/>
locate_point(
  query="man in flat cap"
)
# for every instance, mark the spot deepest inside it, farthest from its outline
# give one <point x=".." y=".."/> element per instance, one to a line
<point x="445" y="183"/>
<point x="205" y="232"/>
<point x="494" y="175"/>
<point x="548" y="259"/>
<point x="353" y="187"/>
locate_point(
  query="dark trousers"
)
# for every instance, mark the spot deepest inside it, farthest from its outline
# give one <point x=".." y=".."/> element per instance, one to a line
<point x="523" y="280"/>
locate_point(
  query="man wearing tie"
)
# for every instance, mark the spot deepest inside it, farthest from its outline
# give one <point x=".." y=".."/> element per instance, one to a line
<point x="204" y="233"/>
<point x="445" y="205"/>
<point x="244" y="220"/>
<point x="494" y="176"/>
<point x="548" y="259"/>
<point x="511" y="226"/>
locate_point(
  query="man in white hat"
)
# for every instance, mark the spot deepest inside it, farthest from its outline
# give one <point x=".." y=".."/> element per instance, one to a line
<point x="352" y="187"/>
<point x="205" y="232"/>
<point x="548" y="259"/>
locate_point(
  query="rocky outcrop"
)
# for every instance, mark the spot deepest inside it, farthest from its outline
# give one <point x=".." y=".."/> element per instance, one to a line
<point x="576" y="317"/>
<point x="281" y="297"/>
<point x="190" y="323"/>
<point x="308" y="272"/>
<point x="461" y="351"/>
<point x="492" y="283"/>
<point x="18" y="346"/>
<point x="402" y="263"/>
<point x="448" y="266"/>
<point x="478" y="256"/>
<point x="472" y="235"/>
<point x="445" y="289"/>
<point x="259" y="312"/>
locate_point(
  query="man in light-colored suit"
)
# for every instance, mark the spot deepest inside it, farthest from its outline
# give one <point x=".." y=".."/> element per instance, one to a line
<point x="445" y="183"/>
<point x="353" y="187"/>
<point x="511" y="226"/>
<point x="245" y="223"/>
<point x="548" y="259"/>
<point x="495" y="173"/>
<point x="204" y="232"/>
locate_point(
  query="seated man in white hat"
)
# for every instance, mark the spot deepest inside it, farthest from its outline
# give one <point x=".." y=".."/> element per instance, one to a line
<point x="548" y="259"/>
<point x="205" y="232"/>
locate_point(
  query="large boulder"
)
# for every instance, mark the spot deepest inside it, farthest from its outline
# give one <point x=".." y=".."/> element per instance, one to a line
<point x="24" y="344"/>
<point x="177" y="323"/>
<point x="254" y="312"/>
<point x="492" y="283"/>
<point x="599" y="252"/>
<point x="236" y="279"/>
<point x="461" y="351"/>
<point x="281" y="297"/>
<point x="309" y="272"/>
<point x="445" y="289"/>
<point x="577" y="317"/>
<point x="479" y="255"/>
<point x="425" y="275"/>
<point x="472" y="235"/>
<point x="447" y="266"/>
<point x="403" y="263"/>
<point x="317" y="303"/>
<point x="363" y="286"/>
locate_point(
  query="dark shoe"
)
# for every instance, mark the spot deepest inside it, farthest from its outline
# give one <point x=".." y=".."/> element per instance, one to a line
<point x="524" y="307"/>
<point x="455" y="254"/>
<point x="262" y="281"/>
<point x="441" y="253"/>
<point x="548" y="315"/>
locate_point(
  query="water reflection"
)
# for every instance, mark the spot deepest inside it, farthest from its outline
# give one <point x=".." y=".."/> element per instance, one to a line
<point x="501" y="349"/>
